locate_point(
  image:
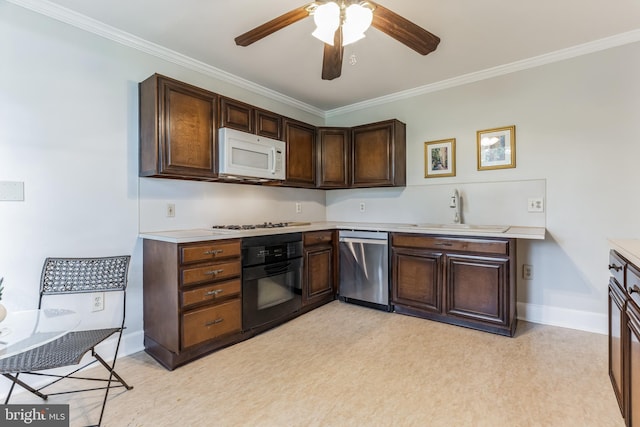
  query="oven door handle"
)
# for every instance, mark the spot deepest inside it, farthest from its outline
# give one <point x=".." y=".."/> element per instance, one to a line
<point x="275" y="269"/>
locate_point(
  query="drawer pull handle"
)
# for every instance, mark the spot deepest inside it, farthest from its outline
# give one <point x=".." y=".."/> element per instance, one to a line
<point x="444" y="244"/>
<point x="213" y="272"/>
<point x="214" y="292"/>
<point x="615" y="267"/>
<point x="635" y="289"/>
<point x="214" y="322"/>
<point x="213" y="252"/>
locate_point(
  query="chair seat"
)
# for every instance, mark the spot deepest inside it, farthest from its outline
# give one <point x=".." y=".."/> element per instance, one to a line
<point x="64" y="351"/>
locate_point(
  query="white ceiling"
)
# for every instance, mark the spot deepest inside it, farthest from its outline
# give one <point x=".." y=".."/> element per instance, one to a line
<point x="476" y="36"/>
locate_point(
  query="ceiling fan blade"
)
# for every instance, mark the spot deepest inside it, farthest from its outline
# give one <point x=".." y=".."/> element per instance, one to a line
<point x="403" y="30"/>
<point x="272" y="26"/>
<point x="332" y="58"/>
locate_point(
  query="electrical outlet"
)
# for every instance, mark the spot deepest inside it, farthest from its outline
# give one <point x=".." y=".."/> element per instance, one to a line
<point x="298" y="207"/>
<point x="97" y="301"/>
<point x="171" y="210"/>
<point x="535" y="204"/>
<point x="362" y="207"/>
<point x="527" y="272"/>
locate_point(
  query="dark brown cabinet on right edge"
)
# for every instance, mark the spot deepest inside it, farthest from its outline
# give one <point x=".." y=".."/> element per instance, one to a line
<point x="624" y="335"/>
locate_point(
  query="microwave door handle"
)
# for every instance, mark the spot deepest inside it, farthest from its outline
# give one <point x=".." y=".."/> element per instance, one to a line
<point x="273" y="160"/>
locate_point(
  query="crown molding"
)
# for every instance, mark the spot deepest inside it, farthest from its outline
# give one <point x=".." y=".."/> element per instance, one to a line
<point x="91" y="25"/>
<point x="536" y="61"/>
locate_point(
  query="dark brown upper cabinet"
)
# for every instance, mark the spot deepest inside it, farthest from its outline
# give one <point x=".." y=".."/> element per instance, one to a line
<point x="334" y="157"/>
<point x="268" y="124"/>
<point x="301" y="154"/>
<point x="238" y="115"/>
<point x="378" y="154"/>
<point x="177" y="130"/>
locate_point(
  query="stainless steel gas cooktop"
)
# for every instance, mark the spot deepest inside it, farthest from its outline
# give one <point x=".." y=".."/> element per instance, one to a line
<point x="263" y="225"/>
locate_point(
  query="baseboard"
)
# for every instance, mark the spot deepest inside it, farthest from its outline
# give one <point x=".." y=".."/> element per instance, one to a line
<point x="564" y="317"/>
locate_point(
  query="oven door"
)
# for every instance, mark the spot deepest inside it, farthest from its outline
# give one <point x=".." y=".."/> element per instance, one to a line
<point x="270" y="292"/>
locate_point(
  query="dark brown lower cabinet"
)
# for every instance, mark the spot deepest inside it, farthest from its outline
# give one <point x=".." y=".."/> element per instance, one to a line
<point x="318" y="285"/>
<point x="617" y="327"/>
<point x="463" y="281"/>
<point x="191" y="299"/>
<point x="631" y="378"/>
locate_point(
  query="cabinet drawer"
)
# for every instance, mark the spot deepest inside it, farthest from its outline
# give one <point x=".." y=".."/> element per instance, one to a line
<point x="317" y="237"/>
<point x="211" y="322"/>
<point x="209" y="251"/>
<point x="210" y="272"/>
<point x="633" y="283"/>
<point x="616" y="267"/>
<point x="484" y="246"/>
<point x="211" y="293"/>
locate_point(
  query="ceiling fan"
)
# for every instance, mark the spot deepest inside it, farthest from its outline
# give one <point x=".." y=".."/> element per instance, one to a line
<point x="379" y="17"/>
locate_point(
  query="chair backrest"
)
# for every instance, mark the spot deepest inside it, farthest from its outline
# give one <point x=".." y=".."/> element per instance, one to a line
<point x="78" y="275"/>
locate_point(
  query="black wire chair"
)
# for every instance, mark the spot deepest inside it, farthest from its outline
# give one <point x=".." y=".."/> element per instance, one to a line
<point x="64" y="276"/>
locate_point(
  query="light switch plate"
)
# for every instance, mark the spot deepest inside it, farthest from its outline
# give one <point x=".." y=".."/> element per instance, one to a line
<point x="12" y="191"/>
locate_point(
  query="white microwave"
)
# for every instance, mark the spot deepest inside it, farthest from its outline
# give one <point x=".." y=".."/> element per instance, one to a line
<point x="243" y="155"/>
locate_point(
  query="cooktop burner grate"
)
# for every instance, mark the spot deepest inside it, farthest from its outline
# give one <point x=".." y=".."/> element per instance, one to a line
<point x="253" y="226"/>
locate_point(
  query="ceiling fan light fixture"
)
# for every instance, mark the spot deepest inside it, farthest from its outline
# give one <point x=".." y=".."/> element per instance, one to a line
<point x="327" y="19"/>
<point x="358" y="19"/>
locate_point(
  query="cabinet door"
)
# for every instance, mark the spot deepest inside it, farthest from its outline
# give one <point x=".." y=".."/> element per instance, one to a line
<point x="177" y="129"/>
<point x="268" y="124"/>
<point x="633" y="365"/>
<point x="301" y="154"/>
<point x="378" y="154"/>
<point x="416" y="279"/>
<point x="333" y="157"/>
<point x="617" y="321"/>
<point x="236" y="115"/>
<point x="318" y="274"/>
<point x="477" y="288"/>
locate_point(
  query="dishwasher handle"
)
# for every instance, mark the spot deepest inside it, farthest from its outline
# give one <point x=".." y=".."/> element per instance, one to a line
<point x="364" y="241"/>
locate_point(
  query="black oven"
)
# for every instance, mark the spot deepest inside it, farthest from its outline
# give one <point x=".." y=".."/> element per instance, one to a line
<point x="271" y="278"/>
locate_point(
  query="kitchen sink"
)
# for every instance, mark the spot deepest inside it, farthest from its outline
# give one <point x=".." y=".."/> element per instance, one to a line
<point x="465" y="227"/>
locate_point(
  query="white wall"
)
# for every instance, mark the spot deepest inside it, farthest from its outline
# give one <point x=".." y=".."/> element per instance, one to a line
<point x="68" y="130"/>
<point x="204" y="204"/>
<point x="578" y="129"/>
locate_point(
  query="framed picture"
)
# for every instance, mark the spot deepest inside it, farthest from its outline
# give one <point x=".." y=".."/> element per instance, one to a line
<point x="440" y="158"/>
<point x="497" y="148"/>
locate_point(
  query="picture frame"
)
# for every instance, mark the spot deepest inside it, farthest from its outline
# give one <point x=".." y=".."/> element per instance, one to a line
<point x="440" y="158"/>
<point x="497" y="148"/>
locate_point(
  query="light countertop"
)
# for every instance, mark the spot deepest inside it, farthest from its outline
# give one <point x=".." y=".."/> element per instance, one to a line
<point x="628" y="248"/>
<point x="198" y="235"/>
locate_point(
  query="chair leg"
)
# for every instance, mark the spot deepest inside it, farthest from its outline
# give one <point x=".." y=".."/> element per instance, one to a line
<point x="112" y="370"/>
<point x="112" y="373"/>
<point x="24" y="385"/>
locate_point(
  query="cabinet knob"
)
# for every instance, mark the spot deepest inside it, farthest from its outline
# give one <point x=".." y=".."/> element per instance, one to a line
<point x="615" y="267"/>
<point x="635" y="289"/>
<point x="214" y="293"/>
<point x="213" y="252"/>
<point x="213" y="272"/>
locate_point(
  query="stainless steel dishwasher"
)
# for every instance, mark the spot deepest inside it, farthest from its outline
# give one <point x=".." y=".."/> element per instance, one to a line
<point x="364" y="268"/>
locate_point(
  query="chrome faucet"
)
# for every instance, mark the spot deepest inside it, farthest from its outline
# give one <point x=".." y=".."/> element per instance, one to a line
<point x="455" y="203"/>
